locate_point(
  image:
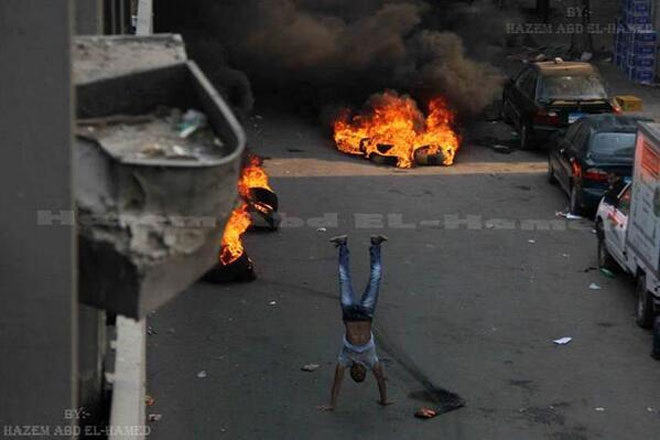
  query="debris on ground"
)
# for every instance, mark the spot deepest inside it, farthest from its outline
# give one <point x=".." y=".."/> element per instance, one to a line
<point x="531" y="241"/>
<point x="151" y="331"/>
<point x="321" y="230"/>
<point x="567" y="215"/>
<point x="594" y="286"/>
<point x="149" y="401"/>
<point x="425" y="413"/>
<point x="600" y="409"/>
<point x="499" y="148"/>
<point x="589" y="269"/>
<point x="563" y="341"/>
<point x="272" y="303"/>
<point x="608" y="273"/>
<point x="201" y="374"/>
<point x="310" y="367"/>
<point x="154" y="417"/>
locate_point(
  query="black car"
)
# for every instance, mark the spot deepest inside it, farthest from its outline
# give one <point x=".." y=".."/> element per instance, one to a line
<point x="595" y="152"/>
<point x="549" y="96"/>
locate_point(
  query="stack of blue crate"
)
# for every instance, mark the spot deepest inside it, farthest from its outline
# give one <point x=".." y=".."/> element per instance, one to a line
<point x="636" y="42"/>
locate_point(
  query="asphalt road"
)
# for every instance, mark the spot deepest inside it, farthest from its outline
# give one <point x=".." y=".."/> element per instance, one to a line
<point x="472" y="306"/>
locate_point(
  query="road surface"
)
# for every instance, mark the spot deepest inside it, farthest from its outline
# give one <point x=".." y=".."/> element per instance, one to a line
<point x="480" y="277"/>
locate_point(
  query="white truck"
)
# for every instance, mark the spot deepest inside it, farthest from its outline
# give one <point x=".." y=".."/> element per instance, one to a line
<point x="628" y="225"/>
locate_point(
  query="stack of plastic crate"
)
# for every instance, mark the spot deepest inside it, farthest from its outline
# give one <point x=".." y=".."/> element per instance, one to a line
<point x="636" y="42"/>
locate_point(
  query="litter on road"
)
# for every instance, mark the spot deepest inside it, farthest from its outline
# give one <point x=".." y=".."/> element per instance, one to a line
<point x="608" y="273"/>
<point x="563" y="341"/>
<point x="201" y="374"/>
<point x="531" y="241"/>
<point x="567" y="215"/>
<point x="310" y="367"/>
<point x="272" y="303"/>
<point x="425" y="413"/>
<point x="503" y="149"/>
<point x="321" y="230"/>
<point x="594" y="286"/>
<point x="155" y="417"/>
<point x="600" y="409"/>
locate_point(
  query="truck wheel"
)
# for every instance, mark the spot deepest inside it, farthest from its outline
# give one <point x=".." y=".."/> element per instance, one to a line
<point x="605" y="259"/>
<point x="574" y="205"/>
<point x="644" y="311"/>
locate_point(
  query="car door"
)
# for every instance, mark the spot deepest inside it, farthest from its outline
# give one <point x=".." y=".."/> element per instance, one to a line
<point x="557" y="150"/>
<point x="616" y="225"/>
<point x="566" y="156"/>
<point x="527" y="100"/>
<point x="517" y="96"/>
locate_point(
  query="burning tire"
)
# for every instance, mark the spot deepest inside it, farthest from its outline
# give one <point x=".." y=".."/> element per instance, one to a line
<point x="239" y="270"/>
<point x="391" y="130"/>
<point x="425" y="156"/>
<point x="263" y="205"/>
<point x="379" y="159"/>
<point x="260" y="198"/>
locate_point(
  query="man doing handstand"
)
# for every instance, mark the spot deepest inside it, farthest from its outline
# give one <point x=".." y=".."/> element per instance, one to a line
<point x="358" y="350"/>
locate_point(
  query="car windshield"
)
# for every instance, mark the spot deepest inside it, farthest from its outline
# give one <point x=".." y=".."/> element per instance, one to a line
<point x="572" y="87"/>
<point x="619" y="146"/>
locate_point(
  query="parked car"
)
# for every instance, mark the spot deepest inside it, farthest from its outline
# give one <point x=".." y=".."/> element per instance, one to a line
<point x="595" y="151"/>
<point x="548" y="96"/>
<point x="628" y="225"/>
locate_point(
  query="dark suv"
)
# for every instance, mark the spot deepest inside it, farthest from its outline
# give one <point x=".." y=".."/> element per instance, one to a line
<point x="548" y="96"/>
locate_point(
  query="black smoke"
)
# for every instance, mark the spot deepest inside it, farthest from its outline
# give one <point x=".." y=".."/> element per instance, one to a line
<point x="323" y="51"/>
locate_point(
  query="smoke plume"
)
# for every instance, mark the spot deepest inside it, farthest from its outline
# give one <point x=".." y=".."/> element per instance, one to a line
<point x="328" y="50"/>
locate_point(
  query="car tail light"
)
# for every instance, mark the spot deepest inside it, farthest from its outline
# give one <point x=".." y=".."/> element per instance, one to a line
<point x="577" y="168"/>
<point x="596" y="175"/>
<point x="544" y="117"/>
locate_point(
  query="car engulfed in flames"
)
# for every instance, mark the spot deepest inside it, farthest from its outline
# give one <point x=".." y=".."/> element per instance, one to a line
<point x="391" y="126"/>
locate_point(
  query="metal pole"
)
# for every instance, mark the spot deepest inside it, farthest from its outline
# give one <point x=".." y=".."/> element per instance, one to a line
<point x="38" y="275"/>
<point x="145" y="18"/>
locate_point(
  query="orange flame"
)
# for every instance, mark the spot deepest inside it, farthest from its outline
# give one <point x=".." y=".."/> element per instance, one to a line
<point x="394" y="126"/>
<point x="252" y="176"/>
<point x="232" y="246"/>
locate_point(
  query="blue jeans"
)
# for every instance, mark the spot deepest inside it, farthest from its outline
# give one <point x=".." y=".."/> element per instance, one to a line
<point x="370" y="295"/>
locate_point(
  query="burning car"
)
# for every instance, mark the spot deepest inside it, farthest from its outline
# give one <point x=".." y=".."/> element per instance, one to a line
<point x="548" y="96"/>
<point x="391" y="129"/>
